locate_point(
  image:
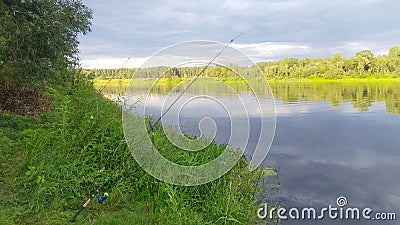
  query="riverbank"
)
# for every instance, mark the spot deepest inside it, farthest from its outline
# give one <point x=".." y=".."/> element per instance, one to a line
<point x="52" y="162"/>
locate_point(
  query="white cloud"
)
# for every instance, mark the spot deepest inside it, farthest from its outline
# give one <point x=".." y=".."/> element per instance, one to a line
<point x="265" y="51"/>
<point x="113" y="63"/>
<point x="276" y="28"/>
<point x="273" y="50"/>
<point x="352" y="47"/>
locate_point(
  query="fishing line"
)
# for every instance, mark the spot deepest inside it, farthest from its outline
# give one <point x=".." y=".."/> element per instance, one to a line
<point x="113" y="76"/>
<point x="152" y="126"/>
<point x="196" y="77"/>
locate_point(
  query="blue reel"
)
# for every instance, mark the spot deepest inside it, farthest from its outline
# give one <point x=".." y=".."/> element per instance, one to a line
<point x="103" y="198"/>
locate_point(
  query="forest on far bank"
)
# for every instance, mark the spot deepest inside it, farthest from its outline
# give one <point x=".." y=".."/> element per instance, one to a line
<point x="363" y="64"/>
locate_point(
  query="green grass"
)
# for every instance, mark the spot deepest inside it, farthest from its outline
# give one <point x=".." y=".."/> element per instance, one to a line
<point x="50" y="164"/>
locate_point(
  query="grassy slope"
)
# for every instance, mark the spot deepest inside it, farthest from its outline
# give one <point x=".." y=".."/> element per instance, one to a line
<point x="51" y="163"/>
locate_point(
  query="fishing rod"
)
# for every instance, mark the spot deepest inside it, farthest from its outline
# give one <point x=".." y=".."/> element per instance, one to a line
<point x="277" y="175"/>
<point x="96" y="193"/>
<point x="110" y="79"/>
<point x="152" y="180"/>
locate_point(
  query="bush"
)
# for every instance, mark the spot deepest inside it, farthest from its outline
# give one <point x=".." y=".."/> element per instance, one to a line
<point x="39" y="39"/>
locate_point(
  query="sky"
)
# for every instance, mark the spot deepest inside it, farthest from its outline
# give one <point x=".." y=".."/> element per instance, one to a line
<point x="272" y="29"/>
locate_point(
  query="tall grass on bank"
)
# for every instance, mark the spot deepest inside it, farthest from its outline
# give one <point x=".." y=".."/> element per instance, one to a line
<point x="51" y="163"/>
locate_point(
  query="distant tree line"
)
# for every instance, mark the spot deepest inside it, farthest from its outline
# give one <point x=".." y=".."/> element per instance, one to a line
<point x="155" y="72"/>
<point x="363" y="64"/>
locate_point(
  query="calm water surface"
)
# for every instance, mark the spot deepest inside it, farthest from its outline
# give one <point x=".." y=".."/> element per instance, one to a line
<point x="332" y="139"/>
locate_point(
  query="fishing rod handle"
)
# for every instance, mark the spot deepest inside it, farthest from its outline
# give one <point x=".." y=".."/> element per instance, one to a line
<point x="80" y="210"/>
<point x="88" y="201"/>
<point x="76" y="214"/>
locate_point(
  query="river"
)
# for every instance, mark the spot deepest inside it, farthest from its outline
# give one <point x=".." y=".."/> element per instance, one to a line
<point x="332" y="138"/>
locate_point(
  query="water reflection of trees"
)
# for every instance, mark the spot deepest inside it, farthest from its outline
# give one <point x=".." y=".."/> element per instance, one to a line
<point x="361" y="94"/>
